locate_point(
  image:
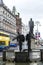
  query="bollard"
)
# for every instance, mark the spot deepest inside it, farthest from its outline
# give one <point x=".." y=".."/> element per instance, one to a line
<point x="41" y="55"/>
<point x="4" y="55"/>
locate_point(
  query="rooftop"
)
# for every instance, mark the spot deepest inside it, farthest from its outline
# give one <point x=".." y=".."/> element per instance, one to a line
<point x="4" y="6"/>
<point x="1" y="2"/>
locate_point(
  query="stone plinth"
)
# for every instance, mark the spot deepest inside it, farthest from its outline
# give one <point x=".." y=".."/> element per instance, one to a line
<point x="21" y="56"/>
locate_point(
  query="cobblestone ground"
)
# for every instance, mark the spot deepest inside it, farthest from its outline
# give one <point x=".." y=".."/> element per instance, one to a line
<point x="37" y="63"/>
<point x="33" y="63"/>
<point x="6" y="63"/>
<point x="11" y="63"/>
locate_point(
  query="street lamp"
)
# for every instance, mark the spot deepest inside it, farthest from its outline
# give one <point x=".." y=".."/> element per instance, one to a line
<point x="37" y="23"/>
<point x="37" y="32"/>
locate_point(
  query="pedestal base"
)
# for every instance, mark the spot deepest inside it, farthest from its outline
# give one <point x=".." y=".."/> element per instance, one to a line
<point x="21" y="56"/>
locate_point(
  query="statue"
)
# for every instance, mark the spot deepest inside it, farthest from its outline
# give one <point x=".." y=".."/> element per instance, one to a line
<point x="28" y="39"/>
<point x="31" y="25"/>
<point x="20" y="39"/>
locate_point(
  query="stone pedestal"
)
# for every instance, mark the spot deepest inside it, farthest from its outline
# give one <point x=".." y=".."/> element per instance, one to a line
<point x="32" y="43"/>
<point x="21" y="56"/>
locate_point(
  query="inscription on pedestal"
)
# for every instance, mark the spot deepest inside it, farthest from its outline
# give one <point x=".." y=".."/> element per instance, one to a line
<point x="21" y="56"/>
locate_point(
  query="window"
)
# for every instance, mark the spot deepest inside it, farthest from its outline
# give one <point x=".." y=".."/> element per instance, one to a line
<point x="3" y="19"/>
<point x="3" y="12"/>
<point x="8" y="14"/>
<point x="2" y="43"/>
<point x="4" y="35"/>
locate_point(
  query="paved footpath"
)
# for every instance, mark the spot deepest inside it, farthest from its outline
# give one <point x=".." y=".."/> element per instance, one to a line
<point x="6" y="63"/>
<point x="37" y="63"/>
<point x="10" y="64"/>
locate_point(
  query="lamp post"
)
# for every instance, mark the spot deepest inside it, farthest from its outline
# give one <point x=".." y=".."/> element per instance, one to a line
<point x="37" y="24"/>
<point x="37" y="32"/>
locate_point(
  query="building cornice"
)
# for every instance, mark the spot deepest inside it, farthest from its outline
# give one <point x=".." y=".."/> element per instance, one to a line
<point x="7" y="9"/>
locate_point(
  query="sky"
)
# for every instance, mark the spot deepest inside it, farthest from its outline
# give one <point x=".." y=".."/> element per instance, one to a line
<point x="28" y="9"/>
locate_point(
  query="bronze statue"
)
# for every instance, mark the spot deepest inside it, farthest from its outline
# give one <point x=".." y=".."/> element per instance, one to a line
<point x="20" y="39"/>
<point x="31" y="25"/>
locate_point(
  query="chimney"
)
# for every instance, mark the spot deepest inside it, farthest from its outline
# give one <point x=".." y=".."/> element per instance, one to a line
<point x="18" y="14"/>
<point x="1" y="2"/>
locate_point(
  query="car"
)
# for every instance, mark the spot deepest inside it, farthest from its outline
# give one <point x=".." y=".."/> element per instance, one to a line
<point x="12" y="45"/>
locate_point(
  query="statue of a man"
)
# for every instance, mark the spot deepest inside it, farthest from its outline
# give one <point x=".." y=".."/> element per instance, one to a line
<point x="20" y="39"/>
<point x="31" y="25"/>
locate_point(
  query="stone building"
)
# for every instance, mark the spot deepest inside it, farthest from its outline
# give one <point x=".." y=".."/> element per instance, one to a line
<point x="18" y="23"/>
<point x="7" y="20"/>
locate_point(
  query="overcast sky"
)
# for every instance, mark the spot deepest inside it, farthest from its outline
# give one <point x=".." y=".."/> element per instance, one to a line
<point x="28" y="9"/>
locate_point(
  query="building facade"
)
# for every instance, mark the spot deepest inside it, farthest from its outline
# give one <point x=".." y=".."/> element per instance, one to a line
<point x="25" y="29"/>
<point x="18" y="23"/>
<point x="7" y="20"/>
